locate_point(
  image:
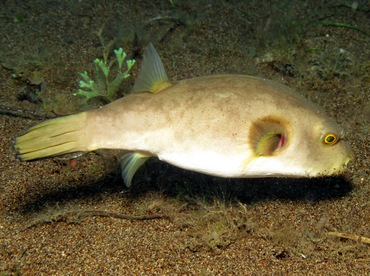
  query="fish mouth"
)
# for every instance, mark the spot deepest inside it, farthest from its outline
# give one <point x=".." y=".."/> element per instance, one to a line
<point x="348" y="160"/>
<point x="341" y="169"/>
<point x="348" y="156"/>
<point x="337" y="170"/>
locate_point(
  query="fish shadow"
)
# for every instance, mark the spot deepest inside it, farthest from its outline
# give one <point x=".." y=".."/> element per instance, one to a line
<point x="181" y="184"/>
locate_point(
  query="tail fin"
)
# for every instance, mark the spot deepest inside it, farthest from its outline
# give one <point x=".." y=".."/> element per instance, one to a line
<point x="53" y="137"/>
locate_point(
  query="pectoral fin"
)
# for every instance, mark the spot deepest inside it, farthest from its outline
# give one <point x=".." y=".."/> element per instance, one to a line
<point x="268" y="135"/>
<point x="130" y="163"/>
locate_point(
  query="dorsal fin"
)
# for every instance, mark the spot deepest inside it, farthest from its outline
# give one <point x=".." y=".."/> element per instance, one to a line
<point x="152" y="76"/>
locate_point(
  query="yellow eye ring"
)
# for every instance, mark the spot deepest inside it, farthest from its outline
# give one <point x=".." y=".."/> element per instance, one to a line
<point x="330" y="139"/>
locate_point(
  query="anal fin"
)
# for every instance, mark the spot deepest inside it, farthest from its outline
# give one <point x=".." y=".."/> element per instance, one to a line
<point x="130" y="163"/>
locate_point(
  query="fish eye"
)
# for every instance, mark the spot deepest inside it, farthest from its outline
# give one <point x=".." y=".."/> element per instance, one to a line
<point x="330" y="139"/>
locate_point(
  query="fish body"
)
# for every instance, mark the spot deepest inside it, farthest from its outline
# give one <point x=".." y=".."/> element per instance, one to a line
<point x="222" y="125"/>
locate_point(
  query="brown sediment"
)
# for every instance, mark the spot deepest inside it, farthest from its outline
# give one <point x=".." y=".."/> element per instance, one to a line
<point x="216" y="226"/>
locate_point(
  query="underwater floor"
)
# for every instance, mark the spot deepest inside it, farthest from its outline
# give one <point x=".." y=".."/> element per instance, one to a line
<point x="74" y="215"/>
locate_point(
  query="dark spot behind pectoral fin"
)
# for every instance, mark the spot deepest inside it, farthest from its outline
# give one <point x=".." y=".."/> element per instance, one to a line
<point x="268" y="135"/>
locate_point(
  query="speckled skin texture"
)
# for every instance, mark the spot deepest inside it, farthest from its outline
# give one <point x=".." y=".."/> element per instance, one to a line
<point x="204" y="124"/>
<point x="217" y="226"/>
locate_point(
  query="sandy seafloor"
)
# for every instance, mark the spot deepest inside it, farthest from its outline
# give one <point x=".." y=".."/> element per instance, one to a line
<point x="207" y="225"/>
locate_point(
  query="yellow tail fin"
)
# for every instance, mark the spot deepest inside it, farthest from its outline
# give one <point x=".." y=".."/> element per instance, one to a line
<point x="53" y="137"/>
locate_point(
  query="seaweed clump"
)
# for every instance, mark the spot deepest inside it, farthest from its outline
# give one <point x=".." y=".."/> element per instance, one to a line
<point x="105" y="86"/>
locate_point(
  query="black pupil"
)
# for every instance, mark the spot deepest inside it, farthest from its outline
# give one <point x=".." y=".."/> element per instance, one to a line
<point x="330" y="138"/>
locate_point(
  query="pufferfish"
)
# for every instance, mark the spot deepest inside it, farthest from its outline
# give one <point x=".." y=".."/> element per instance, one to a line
<point x="232" y="126"/>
